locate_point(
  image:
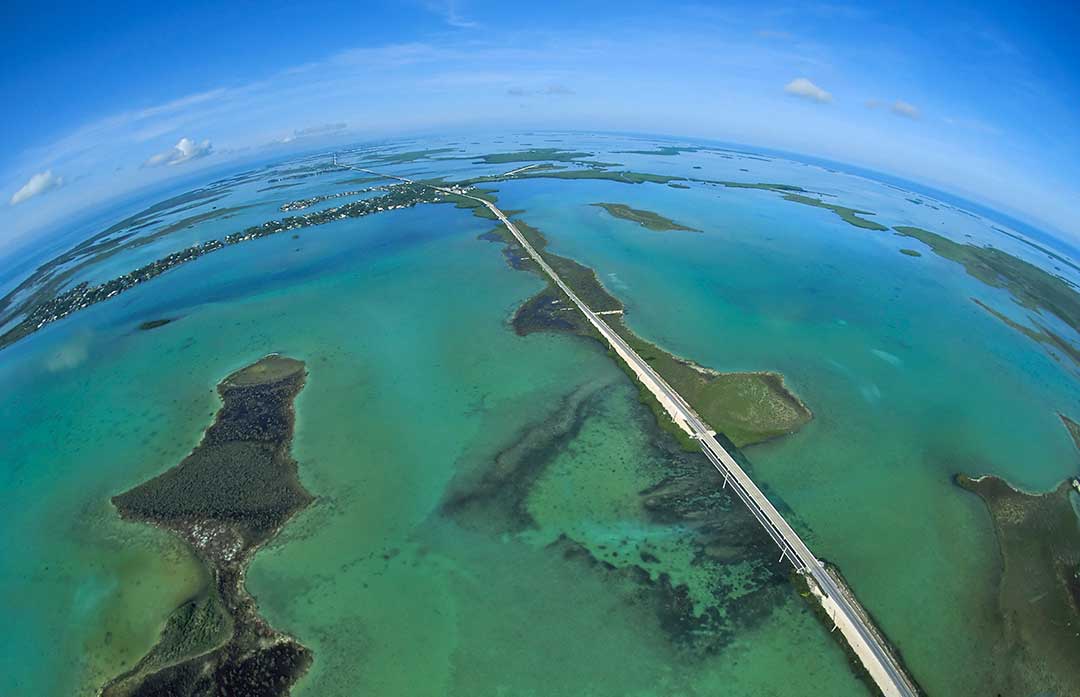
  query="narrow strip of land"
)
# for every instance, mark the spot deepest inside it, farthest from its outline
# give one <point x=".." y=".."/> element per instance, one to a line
<point x="864" y="640"/>
<point x="518" y="170"/>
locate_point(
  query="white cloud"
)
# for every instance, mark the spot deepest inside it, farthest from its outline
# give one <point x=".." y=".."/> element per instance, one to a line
<point x="400" y="88"/>
<point x="802" y="87"/>
<point x="899" y="107"/>
<point x="38" y="184"/>
<point x="902" y="108"/>
<point x="447" y="9"/>
<point x="186" y="149"/>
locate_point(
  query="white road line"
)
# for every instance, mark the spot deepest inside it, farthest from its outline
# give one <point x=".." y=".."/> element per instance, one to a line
<point x="888" y="676"/>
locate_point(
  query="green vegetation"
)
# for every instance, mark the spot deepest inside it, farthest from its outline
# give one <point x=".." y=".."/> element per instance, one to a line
<point x="665" y="150"/>
<point x="646" y="219"/>
<point x="795" y="194"/>
<point x="689" y="531"/>
<point x="781" y="188"/>
<point x="240" y="473"/>
<point x="604" y="175"/>
<point x="848" y="215"/>
<point x="579" y="277"/>
<point x="349" y="181"/>
<point x="50" y="278"/>
<point x="274" y="187"/>
<point x="543" y="167"/>
<point x="677" y="185"/>
<point x="746" y="407"/>
<point x="1030" y="286"/>
<point x="196" y="627"/>
<point x="1041" y="334"/>
<point x="1051" y="254"/>
<point x="307" y="172"/>
<point x="49" y="302"/>
<point x="593" y="172"/>
<point x="230" y="495"/>
<point x="155" y="323"/>
<point x="790" y="192"/>
<point x="478" y="209"/>
<point x="911" y="252"/>
<point x="802" y="586"/>
<point x="533" y="155"/>
<point x="401" y="158"/>
<point x="1039" y="541"/>
<point x="660" y="415"/>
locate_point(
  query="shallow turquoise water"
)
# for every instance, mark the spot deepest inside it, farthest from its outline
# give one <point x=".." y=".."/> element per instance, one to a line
<point x="910" y="383"/>
<point x="415" y="378"/>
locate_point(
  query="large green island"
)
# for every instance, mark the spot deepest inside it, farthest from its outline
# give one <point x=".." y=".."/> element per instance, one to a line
<point x="231" y="495"/>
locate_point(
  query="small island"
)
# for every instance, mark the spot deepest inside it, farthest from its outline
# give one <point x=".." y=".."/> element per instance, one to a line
<point x="746" y="407"/>
<point x="155" y="323"/>
<point x="646" y="219"/>
<point x="50" y="303"/>
<point x="227" y="498"/>
<point x="1031" y="287"/>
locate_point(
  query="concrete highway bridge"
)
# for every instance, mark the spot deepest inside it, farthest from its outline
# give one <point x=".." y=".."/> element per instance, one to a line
<point x="853" y="622"/>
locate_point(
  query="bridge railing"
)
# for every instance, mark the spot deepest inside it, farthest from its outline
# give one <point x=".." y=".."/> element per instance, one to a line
<point x="787" y="551"/>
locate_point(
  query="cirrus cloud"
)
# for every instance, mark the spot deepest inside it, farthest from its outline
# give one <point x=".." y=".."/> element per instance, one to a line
<point x="38" y="184"/>
<point x="902" y="108"/>
<point x="802" y="87"/>
<point x="185" y="150"/>
<point x="899" y="107"/>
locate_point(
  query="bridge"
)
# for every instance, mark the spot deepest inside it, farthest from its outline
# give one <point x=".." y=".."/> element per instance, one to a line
<point x="838" y="603"/>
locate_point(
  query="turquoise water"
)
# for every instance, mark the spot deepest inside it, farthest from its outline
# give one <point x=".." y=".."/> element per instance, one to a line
<point x="416" y="383"/>
<point x="414" y="377"/>
<point x="910" y="383"/>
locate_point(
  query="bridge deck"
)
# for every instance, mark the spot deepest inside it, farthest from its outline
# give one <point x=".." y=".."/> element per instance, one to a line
<point x="864" y="640"/>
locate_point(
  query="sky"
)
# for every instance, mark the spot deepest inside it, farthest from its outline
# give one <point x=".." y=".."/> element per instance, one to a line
<point x="980" y="99"/>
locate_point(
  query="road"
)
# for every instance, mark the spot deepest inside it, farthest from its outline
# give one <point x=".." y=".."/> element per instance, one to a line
<point x="889" y="676"/>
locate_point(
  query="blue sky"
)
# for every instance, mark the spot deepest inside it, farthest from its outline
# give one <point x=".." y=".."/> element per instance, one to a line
<point x="980" y="99"/>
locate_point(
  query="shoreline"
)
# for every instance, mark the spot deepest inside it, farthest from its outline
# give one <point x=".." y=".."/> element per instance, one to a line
<point x="724" y="399"/>
<point x="526" y="245"/>
<point x="225" y="500"/>
<point x="1037" y="538"/>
